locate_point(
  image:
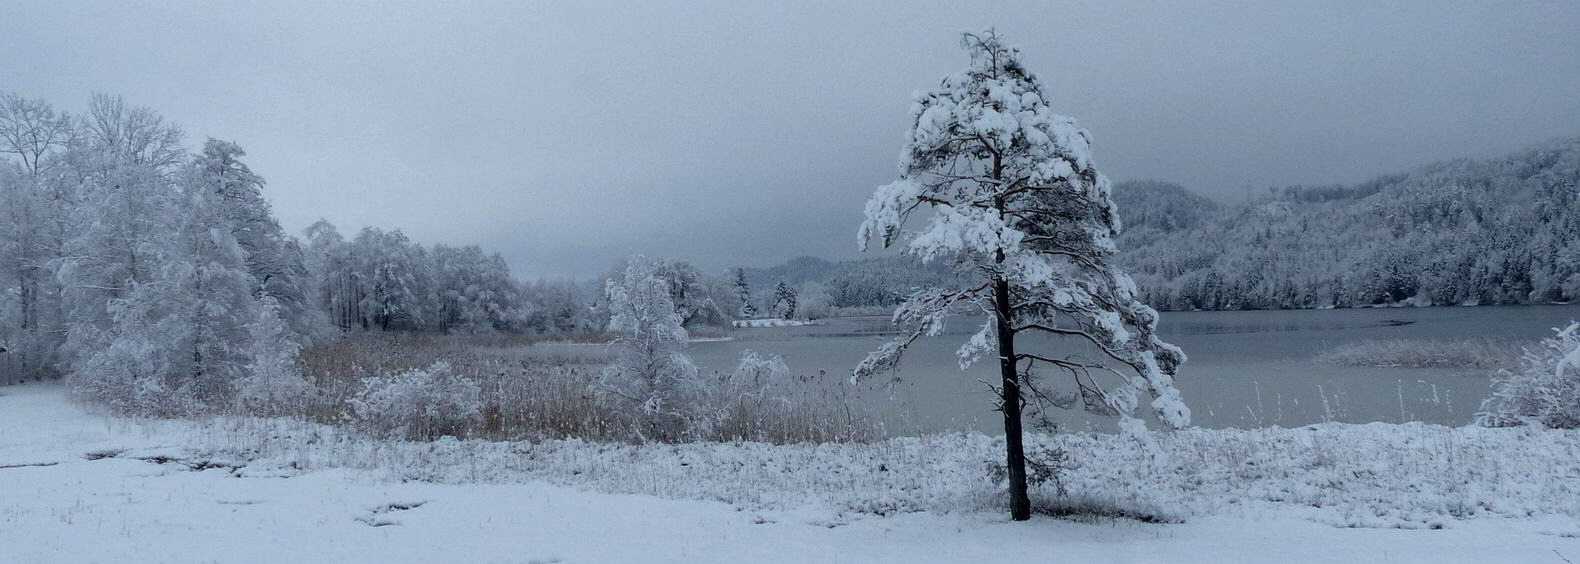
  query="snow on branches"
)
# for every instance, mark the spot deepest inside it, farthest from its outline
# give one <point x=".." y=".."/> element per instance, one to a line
<point x="1008" y="192"/>
<point x="1545" y="390"/>
<point x="651" y="370"/>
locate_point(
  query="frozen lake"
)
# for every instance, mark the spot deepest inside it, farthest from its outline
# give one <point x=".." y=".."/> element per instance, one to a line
<point x="1245" y="368"/>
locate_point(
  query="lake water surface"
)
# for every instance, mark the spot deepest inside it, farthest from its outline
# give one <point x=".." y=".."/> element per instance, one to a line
<point x="1245" y="368"/>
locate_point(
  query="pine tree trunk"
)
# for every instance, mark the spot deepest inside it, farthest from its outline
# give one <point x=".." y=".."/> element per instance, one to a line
<point x="1009" y="392"/>
<point x="1009" y="395"/>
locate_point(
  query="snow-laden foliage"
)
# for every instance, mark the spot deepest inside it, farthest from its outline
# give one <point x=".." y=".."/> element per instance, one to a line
<point x="33" y="225"/>
<point x="272" y="384"/>
<point x="784" y="305"/>
<point x="273" y="258"/>
<point x="423" y="403"/>
<point x="180" y="340"/>
<point x="690" y="291"/>
<point x="1497" y="231"/>
<point x="1008" y="192"/>
<point x="743" y="398"/>
<point x="526" y="396"/>
<point x="651" y="370"/>
<point x="119" y="180"/>
<point x="1544" y="390"/>
<point x="699" y="299"/>
<point x="761" y="400"/>
<point x="159" y="282"/>
<point x="743" y="294"/>
<point x="383" y="281"/>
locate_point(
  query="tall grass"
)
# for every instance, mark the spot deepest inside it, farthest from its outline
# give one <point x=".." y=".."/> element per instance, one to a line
<point x="542" y="398"/>
<point x="1422" y="353"/>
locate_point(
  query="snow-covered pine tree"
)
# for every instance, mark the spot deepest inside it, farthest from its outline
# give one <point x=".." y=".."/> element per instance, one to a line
<point x="651" y="371"/>
<point x="1011" y="196"/>
<point x="272" y="384"/>
<point x="784" y="301"/>
<point x="743" y="293"/>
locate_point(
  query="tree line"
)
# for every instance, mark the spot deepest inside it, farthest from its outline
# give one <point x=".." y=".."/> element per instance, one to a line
<point x="142" y="269"/>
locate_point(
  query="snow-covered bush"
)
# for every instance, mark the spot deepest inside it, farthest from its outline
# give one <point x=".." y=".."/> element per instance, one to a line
<point x="761" y="400"/>
<point x="1544" y="390"/>
<point x="418" y="404"/>
<point x="651" y="376"/>
<point x="814" y="301"/>
<point x="736" y="404"/>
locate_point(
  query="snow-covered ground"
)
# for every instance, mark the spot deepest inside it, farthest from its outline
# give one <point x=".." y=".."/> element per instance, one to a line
<point x="772" y="322"/>
<point x="76" y="487"/>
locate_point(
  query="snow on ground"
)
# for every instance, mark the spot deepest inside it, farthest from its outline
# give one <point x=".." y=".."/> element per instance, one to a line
<point x="772" y="322"/>
<point x="76" y="487"/>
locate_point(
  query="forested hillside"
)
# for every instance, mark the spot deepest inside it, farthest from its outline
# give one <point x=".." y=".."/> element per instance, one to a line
<point x="849" y="284"/>
<point x="1463" y="232"/>
<point x="1498" y="231"/>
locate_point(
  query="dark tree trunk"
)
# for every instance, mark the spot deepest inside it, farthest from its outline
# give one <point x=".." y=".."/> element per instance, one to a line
<point x="1009" y="392"/>
<point x="1009" y="396"/>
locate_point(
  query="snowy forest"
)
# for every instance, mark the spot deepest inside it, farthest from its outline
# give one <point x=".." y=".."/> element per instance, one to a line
<point x="1464" y="232"/>
<point x="127" y="247"/>
<point x="129" y="253"/>
<point x="1015" y="358"/>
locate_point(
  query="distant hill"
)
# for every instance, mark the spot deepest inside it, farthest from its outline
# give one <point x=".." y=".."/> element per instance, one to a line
<point x="1494" y="231"/>
<point x="1161" y="206"/>
<point x="880" y="281"/>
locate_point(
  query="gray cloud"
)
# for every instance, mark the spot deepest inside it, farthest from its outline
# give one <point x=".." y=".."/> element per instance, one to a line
<point x="566" y="135"/>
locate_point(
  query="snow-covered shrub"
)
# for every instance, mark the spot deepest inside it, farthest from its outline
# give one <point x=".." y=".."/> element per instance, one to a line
<point x="1544" y="390"/>
<point x="418" y="404"/>
<point x="736" y="404"/>
<point x="1421" y="353"/>
<point x="651" y="378"/>
<point x="762" y="401"/>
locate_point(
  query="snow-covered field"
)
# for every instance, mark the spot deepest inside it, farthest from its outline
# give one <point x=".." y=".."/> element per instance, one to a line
<point x="77" y="487"/>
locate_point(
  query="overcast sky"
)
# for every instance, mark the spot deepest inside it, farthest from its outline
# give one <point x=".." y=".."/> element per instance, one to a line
<point x="568" y="134"/>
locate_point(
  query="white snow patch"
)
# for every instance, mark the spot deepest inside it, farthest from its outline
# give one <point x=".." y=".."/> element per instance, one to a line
<point x="772" y="322"/>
